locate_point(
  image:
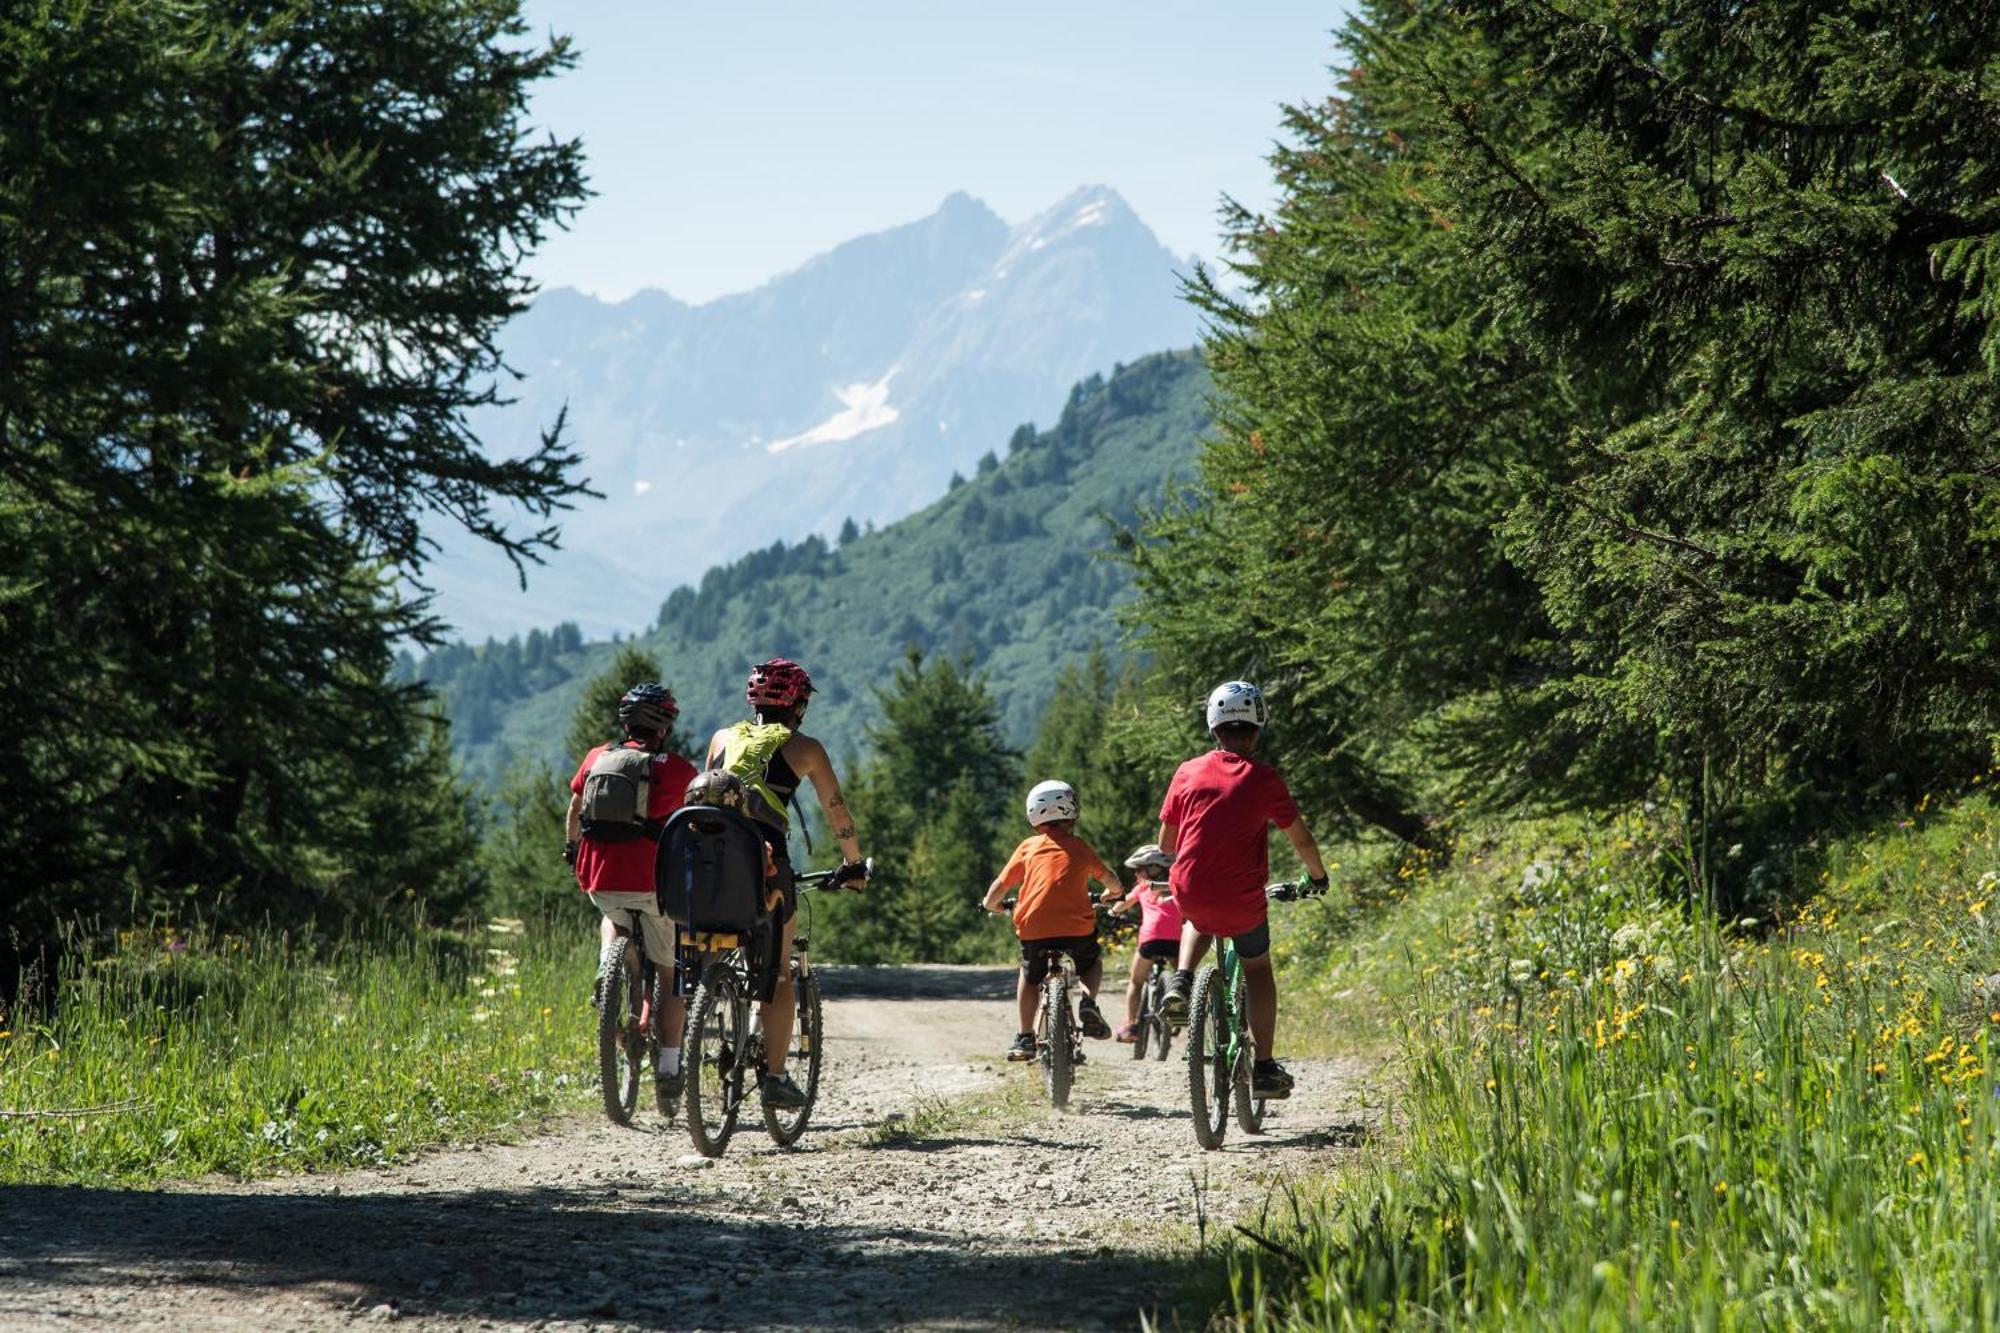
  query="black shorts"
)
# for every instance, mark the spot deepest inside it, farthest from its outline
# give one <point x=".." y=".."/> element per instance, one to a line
<point x="1082" y="949"/>
<point x="1166" y="951"/>
<point x="1253" y="943"/>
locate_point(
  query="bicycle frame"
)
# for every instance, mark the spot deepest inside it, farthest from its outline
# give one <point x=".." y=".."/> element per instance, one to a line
<point x="1235" y="989"/>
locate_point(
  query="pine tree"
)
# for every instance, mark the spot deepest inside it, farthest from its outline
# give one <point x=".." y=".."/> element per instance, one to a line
<point x="255" y="262"/>
<point x="1083" y="739"/>
<point x="928" y="803"/>
<point x="595" y="720"/>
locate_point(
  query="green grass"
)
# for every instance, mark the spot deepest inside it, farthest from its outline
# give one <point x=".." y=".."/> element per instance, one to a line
<point x="1615" y="1113"/>
<point x="251" y="1055"/>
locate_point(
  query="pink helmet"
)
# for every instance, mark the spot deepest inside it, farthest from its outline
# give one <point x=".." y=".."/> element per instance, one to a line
<point x="778" y="683"/>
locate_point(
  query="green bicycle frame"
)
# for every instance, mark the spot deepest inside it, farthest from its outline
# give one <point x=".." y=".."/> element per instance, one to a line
<point x="1233" y="982"/>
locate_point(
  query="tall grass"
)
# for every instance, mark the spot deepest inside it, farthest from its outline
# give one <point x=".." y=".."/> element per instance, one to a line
<point x="1684" y="1123"/>
<point x="251" y="1054"/>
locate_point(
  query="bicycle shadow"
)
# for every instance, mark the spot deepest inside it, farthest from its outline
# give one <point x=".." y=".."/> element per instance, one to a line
<point x="549" y="1253"/>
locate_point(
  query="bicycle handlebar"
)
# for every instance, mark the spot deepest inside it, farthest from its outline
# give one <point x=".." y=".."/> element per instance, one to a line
<point x="822" y="879"/>
<point x="1095" y="899"/>
<point x="1291" y="890"/>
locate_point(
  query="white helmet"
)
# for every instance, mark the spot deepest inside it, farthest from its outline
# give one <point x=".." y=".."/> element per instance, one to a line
<point x="1235" y="701"/>
<point x="1149" y="857"/>
<point x="1051" y="800"/>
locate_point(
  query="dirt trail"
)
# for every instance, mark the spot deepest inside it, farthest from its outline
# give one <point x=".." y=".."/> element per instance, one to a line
<point x="998" y="1213"/>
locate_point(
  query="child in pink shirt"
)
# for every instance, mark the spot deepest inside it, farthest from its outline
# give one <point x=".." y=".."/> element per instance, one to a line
<point x="1159" y="927"/>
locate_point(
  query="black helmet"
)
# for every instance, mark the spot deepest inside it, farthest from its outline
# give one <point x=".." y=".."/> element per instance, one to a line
<point x="716" y="786"/>
<point x="648" y="709"/>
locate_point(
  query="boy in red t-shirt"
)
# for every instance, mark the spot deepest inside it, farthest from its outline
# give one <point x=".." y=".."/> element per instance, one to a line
<point x="1053" y="869"/>
<point x="614" y="856"/>
<point x="1214" y="823"/>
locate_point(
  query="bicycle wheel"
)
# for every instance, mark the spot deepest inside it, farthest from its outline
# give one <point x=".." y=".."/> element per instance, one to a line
<point x="621" y="1047"/>
<point x="1163" y="1031"/>
<point x="1057" y="1040"/>
<point x="806" y="1053"/>
<point x="717" y="1043"/>
<point x="1249" y="1110"/>
<point x="1142" y="1037"/>
<point x="1208" y="1058"/>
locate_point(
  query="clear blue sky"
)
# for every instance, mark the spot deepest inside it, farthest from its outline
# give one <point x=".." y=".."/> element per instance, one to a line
<point x="729" y="142"/>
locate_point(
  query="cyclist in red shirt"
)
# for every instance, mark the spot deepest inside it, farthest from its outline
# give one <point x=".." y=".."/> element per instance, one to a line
<point x="620" y="797"/>
<point x="1214" y="823"/>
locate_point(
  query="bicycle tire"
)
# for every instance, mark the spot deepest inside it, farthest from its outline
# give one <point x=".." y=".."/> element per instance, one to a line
<point x="621" y="1047"/>
<point x="1057" y="1041"/>
<point x="808" y="1049"/>
<point x="1141" y="1036"/>
<point x="1163" y="1031"/>
<point x="1249" y="1110"/>
<point x="1207" y="1057"/>
<point x="718" y="1042"/>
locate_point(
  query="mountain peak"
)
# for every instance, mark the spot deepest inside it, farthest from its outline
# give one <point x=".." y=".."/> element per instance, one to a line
<point x="1086" y="206"/>
<point x="958" y="202"/>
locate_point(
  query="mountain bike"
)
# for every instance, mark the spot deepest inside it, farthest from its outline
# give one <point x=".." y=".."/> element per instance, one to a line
<point x="725" y="1033"/>
<point x="1219" y="1052"/>
<point x="1058" y="1044"/>
<point x="628" y="990"/>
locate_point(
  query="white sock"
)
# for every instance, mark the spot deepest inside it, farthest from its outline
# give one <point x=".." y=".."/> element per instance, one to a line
<point x="667" y="1059"/>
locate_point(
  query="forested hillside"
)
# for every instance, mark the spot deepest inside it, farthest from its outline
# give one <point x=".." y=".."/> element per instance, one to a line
<point x="1007" y="569"/>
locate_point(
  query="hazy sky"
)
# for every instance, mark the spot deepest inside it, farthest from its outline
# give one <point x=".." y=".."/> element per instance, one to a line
<point x="729" y="141"/>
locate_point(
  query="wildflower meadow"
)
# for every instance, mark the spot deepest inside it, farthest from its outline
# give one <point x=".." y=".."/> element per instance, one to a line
<point x="1612" y="1109"/>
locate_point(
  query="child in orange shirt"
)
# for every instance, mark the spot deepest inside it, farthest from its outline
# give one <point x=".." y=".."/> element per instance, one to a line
<point x="1053" y="869"/>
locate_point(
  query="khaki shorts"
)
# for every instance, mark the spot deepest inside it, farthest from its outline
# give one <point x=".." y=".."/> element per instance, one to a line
<point x="658" y="932"/>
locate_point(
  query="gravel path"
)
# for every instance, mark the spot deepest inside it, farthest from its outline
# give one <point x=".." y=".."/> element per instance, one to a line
<point x="980" y="1209"/>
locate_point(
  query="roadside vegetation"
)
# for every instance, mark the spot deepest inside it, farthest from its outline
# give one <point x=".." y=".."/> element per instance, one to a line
<point x="176" y="1053"/>
<point x="1614" y="1109"/>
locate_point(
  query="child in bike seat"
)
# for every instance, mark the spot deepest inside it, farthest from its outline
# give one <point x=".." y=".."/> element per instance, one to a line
<point x="1159" y="927"/>
<point x="1053" y="869"/>
<point x="723" y="790"/>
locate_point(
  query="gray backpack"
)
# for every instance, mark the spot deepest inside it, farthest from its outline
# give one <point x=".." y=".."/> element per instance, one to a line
<point x="616" y="791"/>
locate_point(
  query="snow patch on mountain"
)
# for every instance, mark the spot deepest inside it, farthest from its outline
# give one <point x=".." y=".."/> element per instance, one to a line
<point x="864" y="407"/>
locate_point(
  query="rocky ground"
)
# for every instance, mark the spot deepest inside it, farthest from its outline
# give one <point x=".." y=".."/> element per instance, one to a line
<point x="935" y="1190"/>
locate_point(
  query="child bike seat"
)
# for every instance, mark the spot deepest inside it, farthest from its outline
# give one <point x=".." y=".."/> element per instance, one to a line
<point x="709" y="871"/>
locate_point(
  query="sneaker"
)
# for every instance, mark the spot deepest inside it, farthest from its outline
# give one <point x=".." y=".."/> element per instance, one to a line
<point x="1092" y="1021"/>
<point x="1022" y="1049"/>
<point x="782" y="1093"/>
<point x="1127" y="1034"/>
<point x="1174" y="1008"/>
<point x="670" y="1085"/>
<point x="1269" y="1082"/>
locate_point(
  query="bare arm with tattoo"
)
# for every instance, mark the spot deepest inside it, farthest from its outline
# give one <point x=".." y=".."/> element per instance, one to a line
<point x="808" y="758"/>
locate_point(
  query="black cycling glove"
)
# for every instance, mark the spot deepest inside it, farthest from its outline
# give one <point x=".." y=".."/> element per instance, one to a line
<point x="1320" y="884"/>
<point x="851" y="872"/>
<point x="569" y="853"/>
